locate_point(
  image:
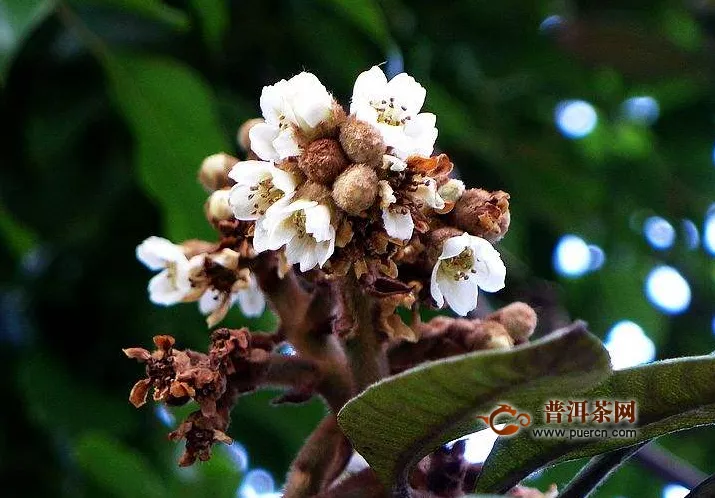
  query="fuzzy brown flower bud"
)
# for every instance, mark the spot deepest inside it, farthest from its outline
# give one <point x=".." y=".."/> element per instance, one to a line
<point x="483" y="213"/>
<point x="323" y="160"/>
<point x="242" y="137"/>
<point x="217" y="208"/>
<point x="213" y="173"/>
<point x="518" y="318"/>
<point x="356" y="188"/>
<point x="361" y="141"/>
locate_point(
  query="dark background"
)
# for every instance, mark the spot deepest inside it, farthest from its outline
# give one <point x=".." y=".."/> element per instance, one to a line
<point x="108" y="108"/>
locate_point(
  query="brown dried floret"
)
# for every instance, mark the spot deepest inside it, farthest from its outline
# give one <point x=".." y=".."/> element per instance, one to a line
<point x="483" y="213"/>
<point x="201" y="433"/>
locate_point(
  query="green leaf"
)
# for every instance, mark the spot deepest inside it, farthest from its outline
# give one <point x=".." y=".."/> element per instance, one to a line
<point x="368" y="17"/>
<point x="397" y="421"/>
<point x="155" y="10"/>
<point x="173" y="116"/>
<point x="118" y="469"/>
<point x="17" y="20"/>
<point x="670" y="395"/>
<point x="214" y="16"/>
<point x="62" y="404"/>
<point x="19" y="238"/>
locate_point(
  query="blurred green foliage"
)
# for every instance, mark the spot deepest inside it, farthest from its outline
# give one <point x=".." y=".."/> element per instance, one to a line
<point x="108" y="107"/>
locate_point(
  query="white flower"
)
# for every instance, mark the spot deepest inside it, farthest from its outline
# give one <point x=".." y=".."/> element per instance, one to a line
<point x="427" y="193"/>
<point x="250" y="299"/>
<point x="301" y="102"/>
<point x="171" y="285"/>
<point x="466" y="264"/>
<point x="304" y="228"/>
<point x="397" y="219"/>
<point x="394" y="108"/>
<point x="259" y="184"/>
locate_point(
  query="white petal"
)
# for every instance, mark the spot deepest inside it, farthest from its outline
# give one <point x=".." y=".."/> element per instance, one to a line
<point x="273" y="102"/>
<point x="325" y="248"/>
<point x="285" y="144"/>
<point x="299" y="204"/>
<point x="209" y="301"/>
<point x="261" y="137"/>
<point x="240" y="203"/>
<point x="490" y="270"/>
<point x="387" y="194"/>
<point x="260" y="237"/>
<point x="427" y="193"/>
<point x="454" y="246"/>
<point x="317" y="222"/>
<point x="393" y="163"/>
<point x="283" y="180"/>
<point x="363" y="111"/>
<point x="166" y="291"/>
<point x="280" y="229"/>
<point x="422" y="135"/>
<point x="368" y="85"/>
<point x="397" y="224"/>
<point x="434" y="286"/>
<point x="251" y="172"/>
<point x="251" y="300"/>
<point x="461" y="295"/>
<point x="394" y="136"/>
<point x="404" y="87"/>
<point x="155" y="252"/>
<point x="310" y="101"/>
<point x="300" y="250"/>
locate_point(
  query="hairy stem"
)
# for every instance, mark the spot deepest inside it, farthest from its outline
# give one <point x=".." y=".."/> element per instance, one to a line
<point x="305" y="321"/>
<point x="368" y="360"/>
<point x="322" y="458"/>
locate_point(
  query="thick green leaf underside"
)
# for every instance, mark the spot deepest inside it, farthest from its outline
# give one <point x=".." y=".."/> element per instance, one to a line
<point x="397" y="421"/>
<point x="671" y="395"/>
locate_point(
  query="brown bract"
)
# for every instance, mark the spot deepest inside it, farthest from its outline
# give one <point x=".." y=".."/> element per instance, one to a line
<point x="483" y="213"/>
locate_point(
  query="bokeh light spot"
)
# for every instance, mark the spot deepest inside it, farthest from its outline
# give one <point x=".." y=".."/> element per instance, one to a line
<point x="709" y="233"/>
<point x="668" y="290"/>
<point x="644" y="110"/>
<point x="238" y="454"/>
<point x="258" y="483"/>
<point x="690" y="234"/>
<point x="575" y="118"/>
<point x="629" y="345"/>
<point x="551" y="23"/>
<point x="659" y="232"/>
<point x="598" y="257"/>
<point x="675" y="491"/>
<point x="572" y="256"/>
